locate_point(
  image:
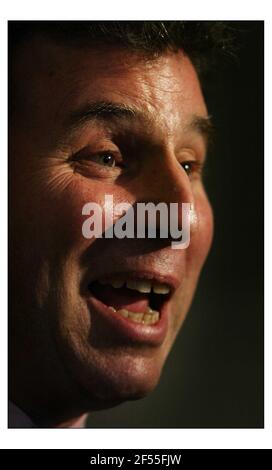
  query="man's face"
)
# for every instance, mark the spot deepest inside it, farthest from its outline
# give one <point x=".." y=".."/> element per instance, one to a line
<point x="63" y="155"/>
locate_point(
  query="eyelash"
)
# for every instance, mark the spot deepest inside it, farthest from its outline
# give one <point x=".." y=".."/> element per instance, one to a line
<point x="196" y="167"/>
<point x="85" y="155"/>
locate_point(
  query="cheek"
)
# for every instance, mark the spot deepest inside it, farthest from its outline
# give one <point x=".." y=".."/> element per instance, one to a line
<point x="195" y="256"/>
<point x="80" y="192"/>
<point x="202" y="235"/>
<point x="68" y="218"/>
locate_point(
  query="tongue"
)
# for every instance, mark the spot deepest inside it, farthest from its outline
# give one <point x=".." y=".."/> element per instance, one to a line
<point x="123" y="297"/>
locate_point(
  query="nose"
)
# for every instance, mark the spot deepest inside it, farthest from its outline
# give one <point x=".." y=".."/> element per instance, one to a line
<point x="163" y="179"/>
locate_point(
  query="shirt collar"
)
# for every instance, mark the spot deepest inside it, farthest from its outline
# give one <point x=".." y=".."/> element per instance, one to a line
<point x="19" y="419"/>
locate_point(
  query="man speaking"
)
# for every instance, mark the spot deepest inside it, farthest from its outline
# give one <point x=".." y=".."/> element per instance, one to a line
<point x="100" y="108"/>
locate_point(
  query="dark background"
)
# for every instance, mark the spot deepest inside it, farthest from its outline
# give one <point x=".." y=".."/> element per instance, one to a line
<point x="213" y="377"/>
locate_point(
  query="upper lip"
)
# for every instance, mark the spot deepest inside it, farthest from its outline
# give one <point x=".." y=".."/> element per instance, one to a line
<point x="170" y="280"/>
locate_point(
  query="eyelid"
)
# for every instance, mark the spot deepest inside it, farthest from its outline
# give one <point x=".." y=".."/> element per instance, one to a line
<point x="87" y="153"/>
<point x="190" y="154"/>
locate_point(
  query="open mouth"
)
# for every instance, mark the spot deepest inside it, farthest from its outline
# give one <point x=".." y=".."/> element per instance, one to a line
<point x="137" y="300"/>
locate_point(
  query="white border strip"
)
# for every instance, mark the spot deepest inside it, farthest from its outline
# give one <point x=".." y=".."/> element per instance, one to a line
<point x="134" y="438"/>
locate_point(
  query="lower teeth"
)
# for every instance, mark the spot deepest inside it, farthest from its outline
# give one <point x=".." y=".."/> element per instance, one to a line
<point x="149" y="317"/>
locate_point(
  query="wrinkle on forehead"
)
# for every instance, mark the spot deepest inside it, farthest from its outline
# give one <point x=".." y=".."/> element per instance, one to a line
<point x="63" y="78"/>
<point x="162" y="92"/>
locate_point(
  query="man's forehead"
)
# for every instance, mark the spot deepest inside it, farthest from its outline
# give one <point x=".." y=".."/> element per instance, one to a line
<point x="74" y="64"/>
<point x="74" y="80"/>
<point x="144" y="91"/>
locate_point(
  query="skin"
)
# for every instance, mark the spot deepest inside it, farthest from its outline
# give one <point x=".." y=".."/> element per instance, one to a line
<point x="62" y="363"/>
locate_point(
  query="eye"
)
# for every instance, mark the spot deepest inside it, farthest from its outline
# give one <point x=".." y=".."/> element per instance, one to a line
<point x="193" y="167"/>
<point x="187" y="166"/>
<point x="105" y="159"/>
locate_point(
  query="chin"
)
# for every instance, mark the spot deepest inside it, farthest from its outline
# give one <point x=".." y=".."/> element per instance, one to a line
<point x="120" y="380"/>
<point x="108" y="369"/>
<point x="137" y="383"/>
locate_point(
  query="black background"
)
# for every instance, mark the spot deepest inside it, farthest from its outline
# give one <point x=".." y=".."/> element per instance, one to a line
<point x="213" y="377"/>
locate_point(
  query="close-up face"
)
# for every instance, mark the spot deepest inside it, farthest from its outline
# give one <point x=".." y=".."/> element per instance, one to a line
<point x="88" y="122"/>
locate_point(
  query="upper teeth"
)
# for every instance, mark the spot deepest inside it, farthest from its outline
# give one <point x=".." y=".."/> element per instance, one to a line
<point x="143" y="286"/>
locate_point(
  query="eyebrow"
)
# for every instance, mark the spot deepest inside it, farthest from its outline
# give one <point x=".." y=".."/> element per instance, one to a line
<point x="103" y="111"/>
<point x="106" y="111"/>
<point x="205" y="127"/>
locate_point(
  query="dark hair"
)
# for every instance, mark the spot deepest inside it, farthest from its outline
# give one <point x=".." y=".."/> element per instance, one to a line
<point x="205" y="42"/>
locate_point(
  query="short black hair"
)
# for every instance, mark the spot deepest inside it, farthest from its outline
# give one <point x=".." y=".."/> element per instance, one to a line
<point x="205" y="42"/>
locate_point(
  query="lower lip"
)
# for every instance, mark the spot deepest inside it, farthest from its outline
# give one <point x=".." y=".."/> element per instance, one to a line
<point x="152" y="335"/>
